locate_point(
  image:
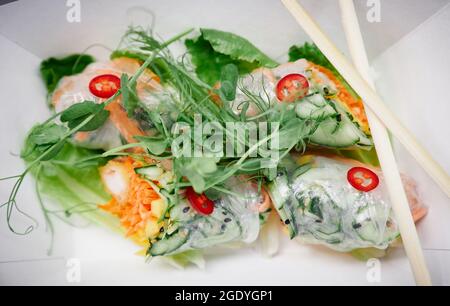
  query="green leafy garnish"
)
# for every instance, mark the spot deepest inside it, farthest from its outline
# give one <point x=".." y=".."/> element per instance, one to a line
<point x="130" y="100"/>
<point x="54" y="69"/>
<point x="143" y="46"/>
<point x="198" y="171"/>
<point x="155" y="145"/>
<point x="41" y="138"/>
<point x="80" y="112"/>
<point x="228" y="82"/>
<point x="236" y="47"/>
<point x="47" y="134"/>
<point x="214" y="49"/>
<point x="191" y="97"/>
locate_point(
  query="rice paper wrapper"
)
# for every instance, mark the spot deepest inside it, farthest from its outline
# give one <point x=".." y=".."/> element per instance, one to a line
<point x="320" y="206"/>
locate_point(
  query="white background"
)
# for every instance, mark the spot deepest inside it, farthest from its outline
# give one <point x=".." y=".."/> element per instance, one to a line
<point x="409" y="51"/>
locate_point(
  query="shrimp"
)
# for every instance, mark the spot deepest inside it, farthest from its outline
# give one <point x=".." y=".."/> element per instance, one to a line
<point x="75" y="89"/>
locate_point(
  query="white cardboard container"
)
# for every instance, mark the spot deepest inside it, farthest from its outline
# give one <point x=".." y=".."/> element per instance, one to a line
<point x="408" y="50"/>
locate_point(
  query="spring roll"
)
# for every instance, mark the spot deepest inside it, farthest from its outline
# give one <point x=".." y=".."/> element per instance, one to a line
<point x="338" y="203"/>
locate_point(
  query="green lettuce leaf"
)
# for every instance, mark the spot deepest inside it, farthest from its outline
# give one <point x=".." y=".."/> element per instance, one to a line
<point x="366" y="157"/>
<point x="75" y="188"/>
<point x="215" y="49"/>
<point x="183" y="260"/>
<point x="126" y="53"/>
<point x="311" y="53"/>
<point x="369" y="253"/>
<point x="54" y="69"/>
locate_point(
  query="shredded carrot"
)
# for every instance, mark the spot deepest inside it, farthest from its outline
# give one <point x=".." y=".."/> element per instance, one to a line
<point x="136" y="210"/>
<point x="354" y="105"/>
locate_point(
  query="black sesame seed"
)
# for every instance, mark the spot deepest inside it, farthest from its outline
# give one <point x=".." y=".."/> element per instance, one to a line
<point x="223" y="227"/>
<point x="227" y="220"/>
<point x="186" y="209"/>
<point x="287" y="222"/>
<point x="357" y="225"/>
<point x="161" y="230"/>
<point x="224" y="213"/>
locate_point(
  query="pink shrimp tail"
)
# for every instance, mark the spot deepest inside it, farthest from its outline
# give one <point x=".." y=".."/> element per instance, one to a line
<point x="418" y="209"/>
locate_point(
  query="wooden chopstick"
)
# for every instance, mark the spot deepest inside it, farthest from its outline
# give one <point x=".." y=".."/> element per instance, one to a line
<point x="370" y="97"/>
<point x="384" y="149"/>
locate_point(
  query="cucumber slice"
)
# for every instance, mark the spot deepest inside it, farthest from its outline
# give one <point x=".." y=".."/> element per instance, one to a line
<point x="318" y="100"/>
<point x="314" y="107"/>
<point x="172" y="228"/>
<point x="367" y="231"/>
<point x="281" y="195"/>
<point x="216" y="231"/>
<point x="364" y="140"/>
<point x="169" y="244"/>
<point x="333" y="134"/>
<point x="328" y="237"/>
<point x="165" y="181"/>
<point x="151" y="172"/>
<point x="182" y="213"/>
<point x="157" y="174"/>
<point x="222" y="226"/>
<point x="279" y="190"/>
<point x="369" y="225"/>
<point x="337" y="130"/>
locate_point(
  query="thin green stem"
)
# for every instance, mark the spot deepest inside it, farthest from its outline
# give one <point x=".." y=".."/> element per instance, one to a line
<point x="9" y="178"/>
<point x="48" y="222"/>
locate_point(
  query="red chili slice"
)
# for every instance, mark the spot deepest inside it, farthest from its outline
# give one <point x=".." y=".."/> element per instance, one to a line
<point x="104" y="86"/>
<point x="199" y="202"/>
<point x="363" y="179"/>
<point x="292" y="87"/>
